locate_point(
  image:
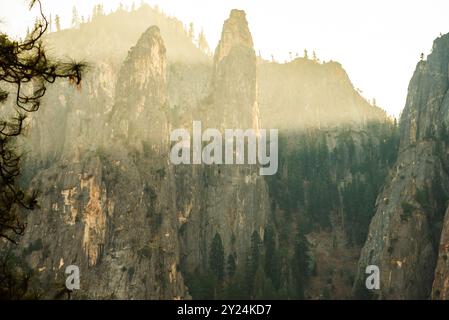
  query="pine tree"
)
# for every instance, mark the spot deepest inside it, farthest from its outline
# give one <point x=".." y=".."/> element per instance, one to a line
<point x="216" y="258"/>
<point x="50" y="24"/>
<point x="231" y="266"/>
<point x="57" y="23"/>
<point x="75" y="18"/>
<point x="300" y="262"/>
<point x="255" y="250"/>
<point x="202" y="42"/>
<point x="95" y="12"/>
<point x="252" y="262"/>
<point x="271" y="270"/>
<point x="100" y="10"/>
<point x="191" y="31"/>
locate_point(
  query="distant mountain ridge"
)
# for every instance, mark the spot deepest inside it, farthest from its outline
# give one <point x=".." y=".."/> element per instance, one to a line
<point x="110" y="36"/>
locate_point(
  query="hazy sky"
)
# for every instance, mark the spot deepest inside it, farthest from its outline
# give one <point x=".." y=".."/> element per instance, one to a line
<point x="378" y="42"/>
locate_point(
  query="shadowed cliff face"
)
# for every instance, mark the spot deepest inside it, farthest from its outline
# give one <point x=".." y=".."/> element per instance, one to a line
<point x="404" y="236"/>
<point x="440" y="288"/>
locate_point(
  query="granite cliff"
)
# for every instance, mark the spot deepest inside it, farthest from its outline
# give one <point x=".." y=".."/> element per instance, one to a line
<point x="408" y="237"/>
<point x="111" y="202"/>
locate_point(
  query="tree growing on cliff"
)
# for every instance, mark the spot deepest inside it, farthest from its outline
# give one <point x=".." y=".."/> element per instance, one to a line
<point x="191" y="31"/>
<point x="202" y="42"/>
<point x="75" y="18"/>
<point x="98" y="11"/>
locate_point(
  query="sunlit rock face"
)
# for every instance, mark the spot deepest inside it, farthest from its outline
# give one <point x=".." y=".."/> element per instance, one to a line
<point x="112" y="203"/>
<point x="235" y="34"/>
<point x="139" y="114"/>
<point x="304" y="94"/>
<point x="234" y="83"/>
<point x="405" y="234"/>
<point x="231" y="200"/>
<point x="110" y="210"/>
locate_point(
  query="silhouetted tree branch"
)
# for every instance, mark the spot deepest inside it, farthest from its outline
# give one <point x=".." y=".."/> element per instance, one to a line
<point x="25" y="71"/>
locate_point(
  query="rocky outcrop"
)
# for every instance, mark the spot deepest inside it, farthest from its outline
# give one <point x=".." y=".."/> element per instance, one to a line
<point x="140" y="111"/>
<point x="110" y="211"/>
<point x="234" y="82"/>
<point x="112" y="203"/>
<point x="235" y="34"/>
<point x="405" y="232"/>
<point x="99" y="215"/>
<point x="229" y="200"/>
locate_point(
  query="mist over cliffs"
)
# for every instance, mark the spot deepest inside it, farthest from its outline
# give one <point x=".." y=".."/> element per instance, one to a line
<point x="353" y="187"/>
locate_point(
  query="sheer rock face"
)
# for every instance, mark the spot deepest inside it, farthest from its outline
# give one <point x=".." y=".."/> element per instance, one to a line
<point x="141" y="94"/>
<point x="102" y="216"/>
<point x="234" y="83"/>
<point x="77" y="119"/>
<point x="235" y="34"/>
<point x="405" y="231"/>
<point x="110" y="211"/>
<point x="111" y="202"/>
<point x="440" y="289"/>
<point x="229" y="199"/>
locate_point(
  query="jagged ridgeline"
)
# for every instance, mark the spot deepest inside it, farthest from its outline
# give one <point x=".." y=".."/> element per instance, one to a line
<point x="139" y="227"/>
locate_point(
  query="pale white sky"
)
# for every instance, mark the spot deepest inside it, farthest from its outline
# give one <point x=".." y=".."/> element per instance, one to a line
<point x="378" y="42"/>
